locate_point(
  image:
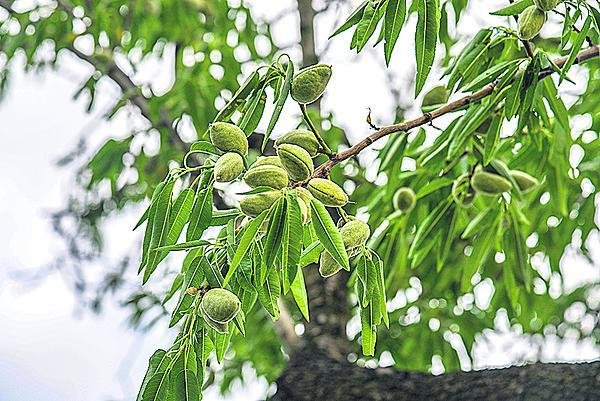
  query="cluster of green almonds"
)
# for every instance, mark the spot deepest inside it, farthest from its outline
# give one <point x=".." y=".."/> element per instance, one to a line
<point x="230" y="139"/>
<point x="292" y="164"/>
<point x="533" y="18"/>
<point x="466" y="187"/>
<point x="355" y="233"/>
<point x="219" y="306"/>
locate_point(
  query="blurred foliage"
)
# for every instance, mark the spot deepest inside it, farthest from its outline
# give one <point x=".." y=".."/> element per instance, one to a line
<point x="512" y="244"/>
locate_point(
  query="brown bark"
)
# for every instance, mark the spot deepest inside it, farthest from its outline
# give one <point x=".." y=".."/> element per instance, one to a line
<point x="313" y="375"/>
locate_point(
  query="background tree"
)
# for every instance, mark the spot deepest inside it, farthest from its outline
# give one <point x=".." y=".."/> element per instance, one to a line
<point x="442" y="244"/>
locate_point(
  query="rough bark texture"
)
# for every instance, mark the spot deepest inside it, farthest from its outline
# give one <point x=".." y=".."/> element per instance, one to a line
<point x="313" y="375"/>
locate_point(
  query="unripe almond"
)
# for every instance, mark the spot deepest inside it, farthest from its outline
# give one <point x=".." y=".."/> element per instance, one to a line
<point x="546" y="5"/>
<point x="309" y="83"/>
<point x="220" y="305"/>
<point x="228" y="138"/>
<point x="327" y="192"/>
<point x="404" y="199"/>
<point x="228" y="167"/>
<point x="301" y="137"/>
<point x="267" y="160"/>
<point x="253" y="205"/>
<point x="355" y="233"/>
<point x="488" y="183"/>
<point x="296" y="161"/>
<point x="218" y="327"/>
<point x="525" y="181"/>
<point x="531" y="21"/>
<point x="268" y="176"/>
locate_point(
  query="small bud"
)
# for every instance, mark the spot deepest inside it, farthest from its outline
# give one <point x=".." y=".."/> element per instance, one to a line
<point x="268" y="161"/>
<point x="525" y="182"/>
<point x="296" y="161"/>
<point x="355" y="233"/>
<point x="531" y="21"/>
<point x="253" y="205"/>
<point x="327" y="265"/>
<point x="404" y="199"/>
<point x="328" y="192"/>
<point x="192" y="291"/>
<point x="489" y="183"/>
<point x="301" y="137"/>
<point x="546" y="5"/>
<point x="268" y="176"/>
<point x="220" y="305"/>
<point x="228" y="138"/>
<point x="309" y="83"/>
<point x="228" y="167"/>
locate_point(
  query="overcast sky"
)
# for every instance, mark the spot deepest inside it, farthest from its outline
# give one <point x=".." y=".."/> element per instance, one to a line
<point x="52" y="350"/>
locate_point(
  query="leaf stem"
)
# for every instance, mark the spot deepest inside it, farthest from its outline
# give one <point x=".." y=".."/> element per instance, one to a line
<point x="312" y="127"/>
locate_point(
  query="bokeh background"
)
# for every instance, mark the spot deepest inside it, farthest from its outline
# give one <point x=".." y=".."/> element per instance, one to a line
<point x="52" y="346"/>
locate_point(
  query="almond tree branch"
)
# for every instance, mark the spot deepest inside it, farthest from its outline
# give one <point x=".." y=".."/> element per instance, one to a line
<point x="117" y="75"/>
<point x="323" y="169"/>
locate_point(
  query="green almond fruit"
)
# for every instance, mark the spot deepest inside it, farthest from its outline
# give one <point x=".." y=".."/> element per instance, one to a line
<point x="228" y="138"/>
<point x="268" y="176"/>
<point x="327" y="192"/>
<point x="355" y="233"/>
<point x="304" y="194"/>
<point x="303" y="138"/>
<point x="267" y="161"/>
<point x="404" y="199"/>
<point x="309" y="83"/>
<point x="218" y="327"/>
<point x="296" y="161"/>
<point x="220" y="305"/>
<point x="253" y="205"/>
<point x="546" y="5"/>
<point x="530" y="23"/>
<point x="525" y="181"/>
<point x="228" y="167"/>
<point x="328" y="265"/>
<point x="488" y="183"/>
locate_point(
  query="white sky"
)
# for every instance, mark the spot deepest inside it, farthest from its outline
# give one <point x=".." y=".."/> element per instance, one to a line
<point x="49" y="348"/>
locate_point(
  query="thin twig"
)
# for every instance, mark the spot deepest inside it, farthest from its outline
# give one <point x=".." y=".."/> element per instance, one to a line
<point x="324" y="168"/>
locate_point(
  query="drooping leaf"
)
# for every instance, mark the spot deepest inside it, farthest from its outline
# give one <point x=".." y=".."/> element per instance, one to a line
<point x="395" y="13"/>
<point x="328" y="234"/>
<point x="428" y="12"/>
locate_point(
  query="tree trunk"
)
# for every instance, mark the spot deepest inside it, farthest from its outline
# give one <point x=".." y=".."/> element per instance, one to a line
<point x="313" y="375"/>
<point x="318" y="369"/>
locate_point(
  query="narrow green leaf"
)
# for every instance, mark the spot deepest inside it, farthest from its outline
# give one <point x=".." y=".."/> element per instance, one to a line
<point x="428" y="12"/>
<point x="157" y="387"/>
<point x="514" y="8"/>
<point x="183" y="246"/>
<point x="328" y="233"/>
<point x="274" y="236"/>
<point x="576" y="47"/>
<point x="352" y="20"/>
<point x="159" y="228"/>
<point x="242" y="249"/>
<point x="176" y="285"/>
<point x="491" y="139"/>
<point x="299" y="293"/>
<point x="154" y="364"/>
<point x="395" y="13"/>
<point x="238" y="98"/>
<point x="283" y="95"/>
<point x="291" y="244"/>
<point x="428" y="225"/>
<point x="201" y="214"/>
<point x="311" y="253"/>
<point x="366" y="26"/>
<point x="269" y="292"/>
<point x="193" y="278"/>
<point x="186" y="386"/>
